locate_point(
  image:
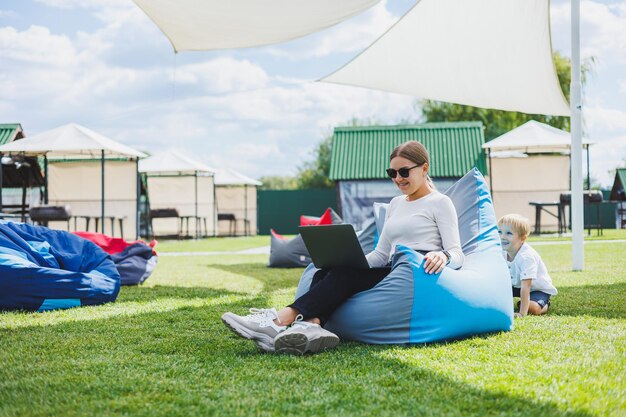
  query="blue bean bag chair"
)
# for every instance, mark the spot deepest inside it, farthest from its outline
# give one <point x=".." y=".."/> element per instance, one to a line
<point x="410" y="306"/>
<point x="43" y="269"/>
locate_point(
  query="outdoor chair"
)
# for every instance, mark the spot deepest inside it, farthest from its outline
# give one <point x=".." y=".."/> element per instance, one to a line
<point x="411" y="306"/>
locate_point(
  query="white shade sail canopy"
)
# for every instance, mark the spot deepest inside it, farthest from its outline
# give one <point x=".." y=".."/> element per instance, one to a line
<point x="486" y="53"/>
<point x="193" y="25"/>
<point x="533" y="137"/>
<point x="231" y="177"/>
<point x="172" y="161"/>
<point x="71" y="141"/>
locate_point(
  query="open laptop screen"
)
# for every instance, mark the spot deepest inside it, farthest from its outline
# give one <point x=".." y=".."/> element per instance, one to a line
<point x="334" y="245"/>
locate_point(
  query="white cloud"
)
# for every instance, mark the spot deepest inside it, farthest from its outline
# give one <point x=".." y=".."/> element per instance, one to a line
<point x="37" y="45"/>
<point x="11" y="14"/>
<point x="607" y="155"/>
<point x="48" y="67"/>
<point x="223" y="75"/>
<point x="351" y="36"/>
<point x="356" y="35"/>
<point x="606" y="119"/>
<point x="606" y="127"/>
<point x="84" y="4"/>
<point x="263" y="132"/>
<point x="603" y="30"/>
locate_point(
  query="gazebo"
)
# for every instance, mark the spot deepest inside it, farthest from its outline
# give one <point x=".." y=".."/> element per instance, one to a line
<point x="93" y="174"/>
<point x="236" y="197"/>
<point x="618" y="195"/>
<point x="530" y="163"/>
<point x="181" y="192"/>
<point x="18" y="174"/>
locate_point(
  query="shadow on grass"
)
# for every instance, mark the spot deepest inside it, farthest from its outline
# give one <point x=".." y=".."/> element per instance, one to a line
<point x="605" y="301"/>
<point x="186" y="358"/>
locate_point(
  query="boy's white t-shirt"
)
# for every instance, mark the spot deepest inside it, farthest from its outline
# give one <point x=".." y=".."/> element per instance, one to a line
<point x="527" y="264"/>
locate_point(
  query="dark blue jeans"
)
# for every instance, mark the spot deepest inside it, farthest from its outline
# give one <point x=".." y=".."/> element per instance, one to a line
<point x="331" y="287"/>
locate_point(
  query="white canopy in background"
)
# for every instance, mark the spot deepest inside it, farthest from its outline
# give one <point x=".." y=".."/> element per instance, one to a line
<point x="231" y="177"/>
<point x="176" y="181"/>
<point x="236" y="196"/>
<point x="70" y="141"/>
<point x="172" y="162"/>
<point x="73" y="141"/>
<point x="486" y="53"/>
<point x="533" y="137"/>
<point x="193" y="25"/>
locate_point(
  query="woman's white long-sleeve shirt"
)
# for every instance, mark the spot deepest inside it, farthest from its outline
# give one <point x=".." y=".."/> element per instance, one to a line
<point x="428" y="224"/>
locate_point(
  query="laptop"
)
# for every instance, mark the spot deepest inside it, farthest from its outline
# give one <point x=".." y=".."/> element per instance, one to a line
<point x="334" y="245"/>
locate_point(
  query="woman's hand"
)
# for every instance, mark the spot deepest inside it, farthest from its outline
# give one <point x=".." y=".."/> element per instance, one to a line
<point x="434" y="262"/>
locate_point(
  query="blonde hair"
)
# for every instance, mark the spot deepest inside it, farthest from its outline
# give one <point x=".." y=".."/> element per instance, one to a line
<point x="414" y="152"/>
<point x="517" y="222"/>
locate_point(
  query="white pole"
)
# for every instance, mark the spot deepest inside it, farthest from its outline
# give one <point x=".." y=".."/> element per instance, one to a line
<point x="578" y="254"/>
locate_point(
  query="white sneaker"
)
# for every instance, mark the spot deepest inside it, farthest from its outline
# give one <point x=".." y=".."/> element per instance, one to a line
<point x="304" y="337"/>
<point x="258" y="326"/>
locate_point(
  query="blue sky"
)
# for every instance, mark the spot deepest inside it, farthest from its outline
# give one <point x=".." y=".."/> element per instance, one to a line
<point x="105" y="65"/>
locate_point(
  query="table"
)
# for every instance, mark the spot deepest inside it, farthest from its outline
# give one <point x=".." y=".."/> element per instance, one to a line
<point x="541" y="207"/>
<point x="560" y="215"/>
<point x="97" y="219"/>
<point x="199" y="221"/>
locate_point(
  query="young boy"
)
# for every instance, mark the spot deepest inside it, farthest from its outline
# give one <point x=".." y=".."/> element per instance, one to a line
<point x="529" y="276"/>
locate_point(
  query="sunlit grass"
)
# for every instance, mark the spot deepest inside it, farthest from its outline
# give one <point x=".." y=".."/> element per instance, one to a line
<point x="607" y="234"/>
<point x="213" y="244"/>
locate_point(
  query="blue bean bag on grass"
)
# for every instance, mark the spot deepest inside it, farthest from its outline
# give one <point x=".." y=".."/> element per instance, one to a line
<point x="43" y="269"/>
<point x="410" y="306"/>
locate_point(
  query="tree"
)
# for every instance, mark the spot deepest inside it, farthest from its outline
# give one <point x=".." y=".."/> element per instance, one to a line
<point x="314" y="174"/>
<point x="277" y="182"/>
<point x="498" y="122"/>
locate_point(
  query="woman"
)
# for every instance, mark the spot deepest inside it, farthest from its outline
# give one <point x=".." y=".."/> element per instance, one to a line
<point x="421" y="218"/>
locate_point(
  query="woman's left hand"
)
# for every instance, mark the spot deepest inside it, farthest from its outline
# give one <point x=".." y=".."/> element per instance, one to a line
<point x="434" y="262"/>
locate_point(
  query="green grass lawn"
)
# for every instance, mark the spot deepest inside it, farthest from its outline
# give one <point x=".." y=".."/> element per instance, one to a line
<point x="607" y="234"/>
<point x="222" y="244"/>
<point x="161" y="350"/>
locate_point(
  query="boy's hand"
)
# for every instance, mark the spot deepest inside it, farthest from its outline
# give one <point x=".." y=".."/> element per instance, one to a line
<point x="517" y="315"/>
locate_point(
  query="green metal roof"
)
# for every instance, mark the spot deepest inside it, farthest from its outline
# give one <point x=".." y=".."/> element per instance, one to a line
<point x="10" y="132"/>
<point x="363" y="152"/>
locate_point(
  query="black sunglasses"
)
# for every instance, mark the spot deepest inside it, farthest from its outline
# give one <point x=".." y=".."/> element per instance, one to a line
<point x="404" y="171"/>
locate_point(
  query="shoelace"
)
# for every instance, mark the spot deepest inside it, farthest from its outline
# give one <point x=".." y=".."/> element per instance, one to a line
<point x="261" y="314"/>
<point x="300" y="323"/>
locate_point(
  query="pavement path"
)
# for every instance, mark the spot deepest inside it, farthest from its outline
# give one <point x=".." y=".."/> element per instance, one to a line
<point x="265" y="250"/>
